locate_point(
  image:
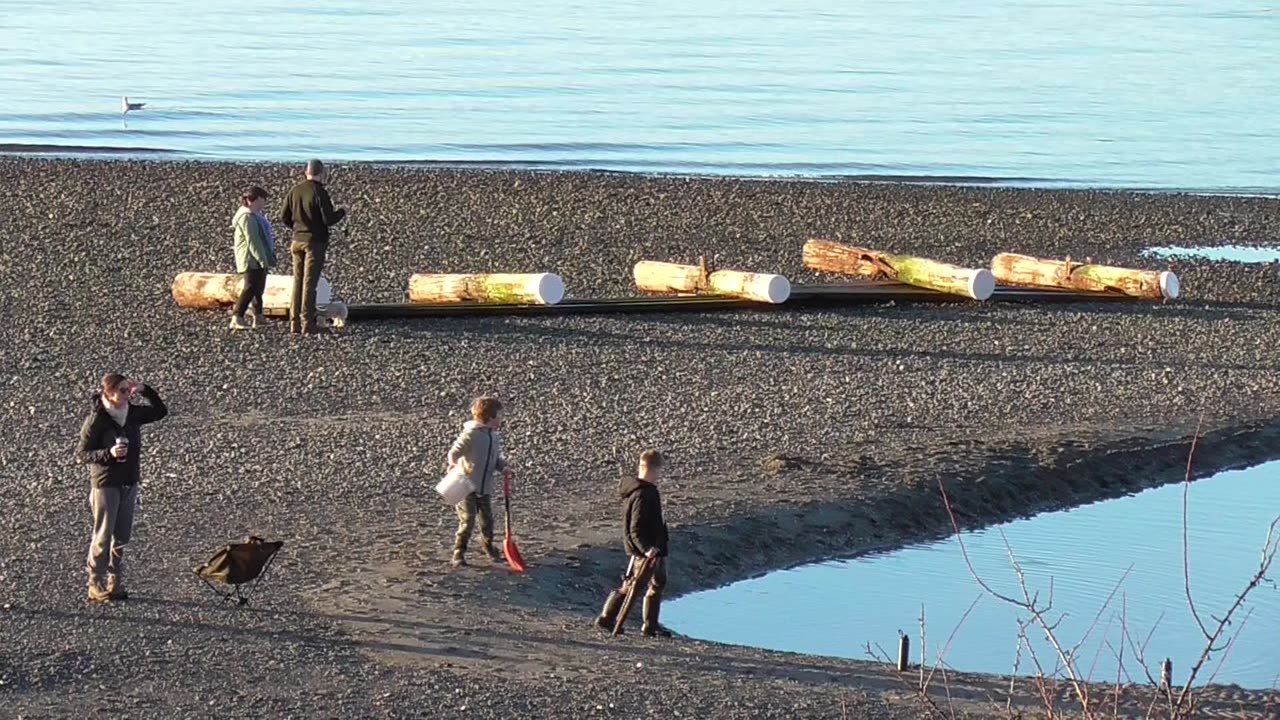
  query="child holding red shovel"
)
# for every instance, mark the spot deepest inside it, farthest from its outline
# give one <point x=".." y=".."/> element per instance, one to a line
<point x="478" y="454"/>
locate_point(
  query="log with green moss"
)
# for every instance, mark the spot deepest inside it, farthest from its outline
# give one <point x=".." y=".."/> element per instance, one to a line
<point x="1028" y="271"/>
<point x="663" y="277"/>
<point x="501" y="288"/>
<point x="832" y="257"/>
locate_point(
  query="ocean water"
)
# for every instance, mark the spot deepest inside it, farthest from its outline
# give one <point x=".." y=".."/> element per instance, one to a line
<point x="1161" y="94"/>
<point x="1113" y="572"/>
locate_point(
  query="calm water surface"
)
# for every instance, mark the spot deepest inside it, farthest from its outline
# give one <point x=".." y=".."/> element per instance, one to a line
<point x="1236" y="253"/>
<point x="837" y="608"/>
<point x="1151" y="93"/>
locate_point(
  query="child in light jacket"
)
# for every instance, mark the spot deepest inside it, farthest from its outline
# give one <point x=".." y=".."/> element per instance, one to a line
<point x="255" y="252"/>
<point x="478" y="451"/>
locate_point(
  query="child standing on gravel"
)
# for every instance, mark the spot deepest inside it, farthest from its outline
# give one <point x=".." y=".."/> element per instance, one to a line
<point x="478" y="452"/>
<point x="644" y="536"/>
<point x="255" y="253"/>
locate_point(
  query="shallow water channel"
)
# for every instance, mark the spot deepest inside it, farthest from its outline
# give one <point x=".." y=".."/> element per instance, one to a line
<point x="1235" y="253"/>
<point x="1135" y="542"/>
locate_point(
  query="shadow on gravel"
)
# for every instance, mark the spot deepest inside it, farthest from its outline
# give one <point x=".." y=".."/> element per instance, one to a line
<point x="442" y="641"/>
<point x="604" y="338"/>
<point x="124" y="617"/>
<point x="1202" y="310"/>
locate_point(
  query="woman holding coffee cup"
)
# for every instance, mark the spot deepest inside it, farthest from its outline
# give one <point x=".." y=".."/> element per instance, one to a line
<point x="111" y="445"/>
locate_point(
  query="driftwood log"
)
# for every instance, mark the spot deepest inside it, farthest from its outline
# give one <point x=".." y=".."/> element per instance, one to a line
<point x="831" y="257"/>
<point x="662" y="277"/>
<point x="500" y="288"/>
<point x="1027" y="271"/>
<point x="214" y="290"/>
<point x="665" y="277"/>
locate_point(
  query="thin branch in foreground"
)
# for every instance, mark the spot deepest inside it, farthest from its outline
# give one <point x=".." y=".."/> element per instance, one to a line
<point x="945" y="648"/>
<point x="923" y="656"/>
<point x="1088" y="677"/>
<point x="1101" y="610"/>
<point x="930" y="707"/>
<point x="1029" y="604"/>
<point x="1186" y="543"/>
<point x="1037" y="614"/>
<point x="1185" y="702"/>
<point x="1227" y="652"/>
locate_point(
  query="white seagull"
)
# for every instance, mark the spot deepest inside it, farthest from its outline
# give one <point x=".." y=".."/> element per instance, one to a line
<point x="126" y="106"/>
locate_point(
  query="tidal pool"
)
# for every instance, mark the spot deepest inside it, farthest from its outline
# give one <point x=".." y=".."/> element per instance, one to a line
<point x="1133" y="543"/>
<point x="1236" y="253"/>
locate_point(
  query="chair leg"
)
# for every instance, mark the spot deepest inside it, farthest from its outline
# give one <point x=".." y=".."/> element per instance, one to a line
<point x="266" y="566"/>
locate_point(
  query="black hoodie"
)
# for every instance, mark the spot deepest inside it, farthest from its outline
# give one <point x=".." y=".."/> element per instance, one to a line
<point x="100" y="431"/>
<point x="642" y="524"/>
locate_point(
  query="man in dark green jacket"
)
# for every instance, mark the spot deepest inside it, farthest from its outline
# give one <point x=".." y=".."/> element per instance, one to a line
<point x="308" y="210"/>
<point x="644" y="535"/>
<point x="111" y="445"/>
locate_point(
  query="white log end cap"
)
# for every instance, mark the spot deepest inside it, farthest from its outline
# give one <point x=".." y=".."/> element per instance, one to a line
<point x="1169" y="286"/>
<point x="982" y="284"/>
<point x="549" y="289"/>
<point x="774" y="289"/>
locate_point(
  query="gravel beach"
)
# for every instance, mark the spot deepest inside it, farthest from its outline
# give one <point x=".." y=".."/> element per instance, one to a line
<point x="794" y="436"/>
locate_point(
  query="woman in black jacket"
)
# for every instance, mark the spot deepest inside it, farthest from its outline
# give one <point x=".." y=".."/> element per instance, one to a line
<point x="111" y="445"/>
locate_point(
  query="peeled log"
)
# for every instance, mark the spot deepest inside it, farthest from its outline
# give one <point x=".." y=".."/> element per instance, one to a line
<point x="827" y="256"/>
<point x="760" y="287"/>
<point x="662" y="277"/>
<point x="207" y="291"/>
<point x="502" y="288"/>
<point x="1014" y="269"/>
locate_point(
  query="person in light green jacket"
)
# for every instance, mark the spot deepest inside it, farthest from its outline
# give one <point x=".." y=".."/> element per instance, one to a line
<point x="255" y="252"/>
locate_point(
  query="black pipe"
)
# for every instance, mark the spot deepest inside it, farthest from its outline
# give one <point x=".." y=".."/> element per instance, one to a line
<point x="801" y="296"/>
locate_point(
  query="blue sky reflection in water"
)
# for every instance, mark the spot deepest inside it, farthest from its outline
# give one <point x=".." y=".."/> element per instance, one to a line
<point x="1135" y="94"/>
<point x="1234" y="253"/>
<point x="836" y="608"/>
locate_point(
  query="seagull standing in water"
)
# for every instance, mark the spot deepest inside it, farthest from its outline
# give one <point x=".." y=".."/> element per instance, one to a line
<point x="126" y="106"/>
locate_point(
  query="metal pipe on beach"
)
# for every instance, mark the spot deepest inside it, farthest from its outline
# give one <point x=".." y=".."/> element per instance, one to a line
<point x="904" y="652"/>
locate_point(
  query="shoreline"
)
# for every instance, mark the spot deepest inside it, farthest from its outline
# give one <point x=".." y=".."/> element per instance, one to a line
<point x="794" y="436"/>
<point x="91" y="153"/>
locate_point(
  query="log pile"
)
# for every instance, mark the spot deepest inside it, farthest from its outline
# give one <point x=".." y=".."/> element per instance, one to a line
<point x="831" y="257"/>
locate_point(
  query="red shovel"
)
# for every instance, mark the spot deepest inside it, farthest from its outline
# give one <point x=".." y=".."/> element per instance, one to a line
<point x="508" y="543"/>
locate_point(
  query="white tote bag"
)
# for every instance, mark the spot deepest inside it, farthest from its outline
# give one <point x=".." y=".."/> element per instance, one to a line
<point x="454" y="487"/>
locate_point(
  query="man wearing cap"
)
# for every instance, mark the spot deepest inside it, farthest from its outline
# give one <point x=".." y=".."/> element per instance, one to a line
<point x="308" y="210"/>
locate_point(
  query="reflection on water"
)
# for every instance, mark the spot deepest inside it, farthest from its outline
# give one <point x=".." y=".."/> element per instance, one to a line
<point x="1236" y="253"/>
<point x="1079" y="555"/>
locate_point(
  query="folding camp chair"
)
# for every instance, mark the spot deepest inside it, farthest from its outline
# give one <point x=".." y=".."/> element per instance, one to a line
<point x="236" y="565"/>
